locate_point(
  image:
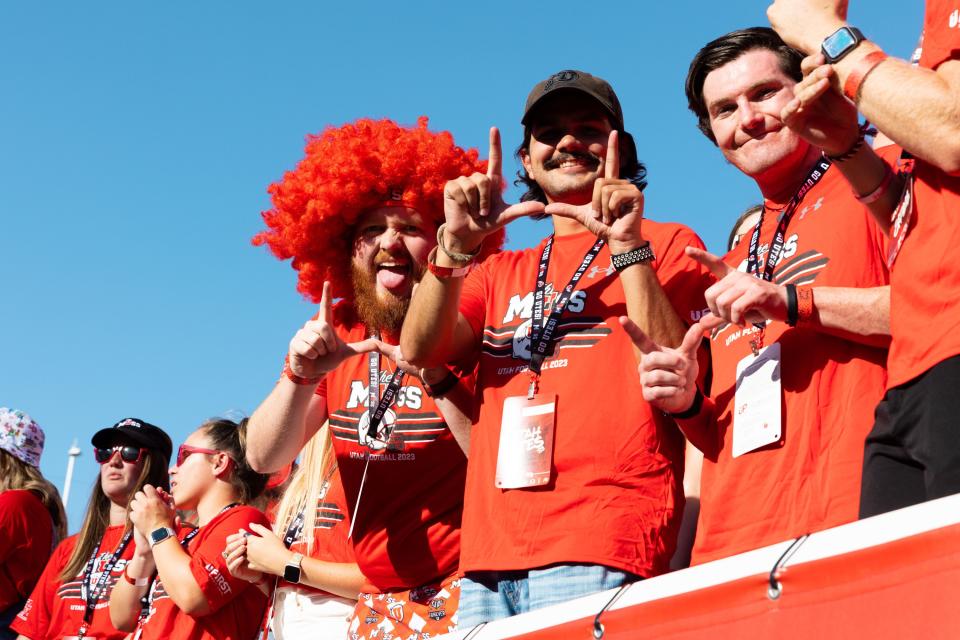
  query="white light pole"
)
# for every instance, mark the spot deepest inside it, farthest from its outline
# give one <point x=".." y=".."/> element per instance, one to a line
<point x="72" y="459"/>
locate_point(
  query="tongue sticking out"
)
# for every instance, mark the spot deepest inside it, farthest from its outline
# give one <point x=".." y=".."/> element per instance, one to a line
<point x="392" y="278"/>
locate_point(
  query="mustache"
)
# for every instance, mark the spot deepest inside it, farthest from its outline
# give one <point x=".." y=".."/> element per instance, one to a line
<point x="591" y="160"/>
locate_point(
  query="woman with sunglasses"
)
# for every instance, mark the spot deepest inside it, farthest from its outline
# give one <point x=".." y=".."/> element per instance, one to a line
<point x="32" y="521"/>
<point x="73" y="594"/>
<point x="183" y="574"/>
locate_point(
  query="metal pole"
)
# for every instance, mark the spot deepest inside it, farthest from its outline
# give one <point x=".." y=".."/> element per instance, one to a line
<point x="72" y="459"/>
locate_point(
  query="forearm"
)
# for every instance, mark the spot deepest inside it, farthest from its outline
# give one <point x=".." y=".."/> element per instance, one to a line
<point x="857" y="314"/>
<point x="430" y="326"/>
<point x="917" y="108"/>
<point x="125" y="597"/>
<point x="693" y="463"/>
<point x="648" y="306"/>
<point x="282" y="424"/>
<point x="339" y="578"/>
<point x="456" y="406"/>
<point x="173" y="569"/>
<point x="866" y="172"/>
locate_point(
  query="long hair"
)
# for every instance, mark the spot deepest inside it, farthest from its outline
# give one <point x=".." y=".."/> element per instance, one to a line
<point x="95" y="523"/>
<point x="317" y="464"/>
<point x="726" y="49"/>
<point x="16" y="474"/>
<point x="231" y="438"/>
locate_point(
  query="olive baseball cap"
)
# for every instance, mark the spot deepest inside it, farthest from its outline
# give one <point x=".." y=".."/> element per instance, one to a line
<point x="573" y="80"/>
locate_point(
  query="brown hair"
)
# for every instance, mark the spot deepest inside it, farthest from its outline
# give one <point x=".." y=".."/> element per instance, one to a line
<point x="97" y="520"/>
<point x="231" y="438"/>
<point x="17" y="474"/>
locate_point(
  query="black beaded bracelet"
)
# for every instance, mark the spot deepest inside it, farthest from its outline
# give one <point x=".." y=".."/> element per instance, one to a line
<point x="643" y="253"/>
<point x="693" y="410"/>
<point x="793" y="309"/>
<point x="849" y="153"/>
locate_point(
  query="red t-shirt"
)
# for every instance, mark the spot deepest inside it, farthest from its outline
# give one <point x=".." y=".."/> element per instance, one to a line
<point x="236" y="606"/>
<point x="810" y="480"/>
<point x="330" y="541"/>
<point x="925" y="295"/>
<point x="407" y="529"/>
<point x="26" y="542"/>
<point x="55" y="609"/>
<point x="615" y="497"/>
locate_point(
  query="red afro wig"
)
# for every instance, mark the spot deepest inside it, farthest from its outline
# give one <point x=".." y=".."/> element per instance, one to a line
<point x="349" y="170"/>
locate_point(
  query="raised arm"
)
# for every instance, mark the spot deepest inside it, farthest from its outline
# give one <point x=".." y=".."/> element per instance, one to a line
<point x="434" y="331"/>
<point x="293" y="412"/>
<point x="917" y="108"/>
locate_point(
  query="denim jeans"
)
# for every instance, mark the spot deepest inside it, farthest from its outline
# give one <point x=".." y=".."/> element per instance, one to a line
<point x="490" y="595"/>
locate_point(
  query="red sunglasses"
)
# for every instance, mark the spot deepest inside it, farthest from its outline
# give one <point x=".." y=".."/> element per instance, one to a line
<point x="128" y="454"/>
<point x="186" y="449"/>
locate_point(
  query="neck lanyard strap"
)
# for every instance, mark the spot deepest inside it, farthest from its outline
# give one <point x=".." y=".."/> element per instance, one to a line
<point x="376" y="405"/>
<point x="91" y="597"/>
<point x="817" y="171"/>
<point x="542" y="330"/>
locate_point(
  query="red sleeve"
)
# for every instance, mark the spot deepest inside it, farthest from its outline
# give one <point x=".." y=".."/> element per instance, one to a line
<point x="34" y="620"/>
<point x="13" y="525"/>
<point x="209" y="568"/>
<point x="683" y="279"/>
<point x="941" y="33"/>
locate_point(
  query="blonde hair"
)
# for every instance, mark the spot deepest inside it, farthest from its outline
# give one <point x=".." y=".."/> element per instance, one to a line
<point x="17" y="474"/>
<point x="306" y="488"/>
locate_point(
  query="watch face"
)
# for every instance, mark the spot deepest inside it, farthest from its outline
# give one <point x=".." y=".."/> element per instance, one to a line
<point x="291" y="573"/>
<point x="159" y="535"/>
<point x="838" y="42"/>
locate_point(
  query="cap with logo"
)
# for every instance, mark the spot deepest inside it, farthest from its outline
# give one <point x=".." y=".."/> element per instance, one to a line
<point x="142" y="433"/>
<point x="572" y="80"/>
<point x="20" y="436"/>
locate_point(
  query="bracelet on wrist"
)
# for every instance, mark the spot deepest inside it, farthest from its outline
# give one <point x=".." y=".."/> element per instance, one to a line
<point x="805" y="306"/>
<point x="460" y="258"/>
<point x="854" y="83"/>
<point x="643" y="253"/>
<point x="693" y="410"/>
<point x="446" y="272"/>
<point x="137" y="582"/>
<point x="441" y="388"/>
<point x="295" y="379"/>
<point x="881" y="189"/>
<point x="854" y="148"/>
<point x="791" y="290"/>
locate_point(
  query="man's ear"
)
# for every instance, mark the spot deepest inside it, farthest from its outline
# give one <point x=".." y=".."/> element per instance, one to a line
<point x="527" y="165"/>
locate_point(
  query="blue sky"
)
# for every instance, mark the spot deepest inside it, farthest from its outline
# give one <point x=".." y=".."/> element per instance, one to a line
<point x="137" y="141"/>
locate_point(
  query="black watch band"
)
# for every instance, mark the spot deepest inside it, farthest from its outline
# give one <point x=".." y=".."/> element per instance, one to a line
<point x="643" y="253"/>
<point x="841" y="42"/>
<point x="443" y="387"/>
<point x="693" y="410"/>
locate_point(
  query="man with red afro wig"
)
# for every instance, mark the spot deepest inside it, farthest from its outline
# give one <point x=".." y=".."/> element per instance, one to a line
<point x="358" y="217"/>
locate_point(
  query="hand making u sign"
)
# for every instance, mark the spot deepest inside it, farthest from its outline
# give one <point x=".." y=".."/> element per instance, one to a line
<point x="739" y="297"/>
<point x="615" y="213"/>
<point x="474" y="208"/>
<point x="316" y="349"/>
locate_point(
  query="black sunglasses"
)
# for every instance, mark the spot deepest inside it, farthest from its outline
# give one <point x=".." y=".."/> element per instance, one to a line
<point x="128" y="454"/>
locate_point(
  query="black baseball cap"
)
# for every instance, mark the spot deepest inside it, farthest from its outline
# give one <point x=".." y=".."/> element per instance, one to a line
<point x="573" y="80"/>
<point x="143" y="433"/>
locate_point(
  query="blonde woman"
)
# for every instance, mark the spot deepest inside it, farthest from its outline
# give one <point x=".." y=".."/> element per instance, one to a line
<point x="308" y="554"/>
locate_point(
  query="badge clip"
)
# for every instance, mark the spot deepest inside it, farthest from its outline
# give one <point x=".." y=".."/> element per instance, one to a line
<point x="534" y="385"/>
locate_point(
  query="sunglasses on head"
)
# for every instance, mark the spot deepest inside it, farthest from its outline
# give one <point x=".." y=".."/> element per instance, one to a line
<point x="185" y="450"/>
<point x="128" y="453"/>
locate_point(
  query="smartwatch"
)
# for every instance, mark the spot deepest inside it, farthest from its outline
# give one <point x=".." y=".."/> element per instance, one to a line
<point x="841" y="42"/>
<point x="291" y="572"/>
<point x="159" y="535"/>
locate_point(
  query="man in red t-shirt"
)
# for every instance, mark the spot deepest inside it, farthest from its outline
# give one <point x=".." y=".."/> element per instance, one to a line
<point x="573" y="483"/>
<point x="913" y="452"/>
<point x="359" y="216"/>
<point x="800" y="326"/>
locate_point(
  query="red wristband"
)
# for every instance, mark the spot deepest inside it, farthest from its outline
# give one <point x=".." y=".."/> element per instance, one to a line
<point x="446" y="272"/>
<point x="137" y="582"/>
<point x="851" y="88"/>
<point x="804" y="305"/>
<point x="294" y="378"/>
